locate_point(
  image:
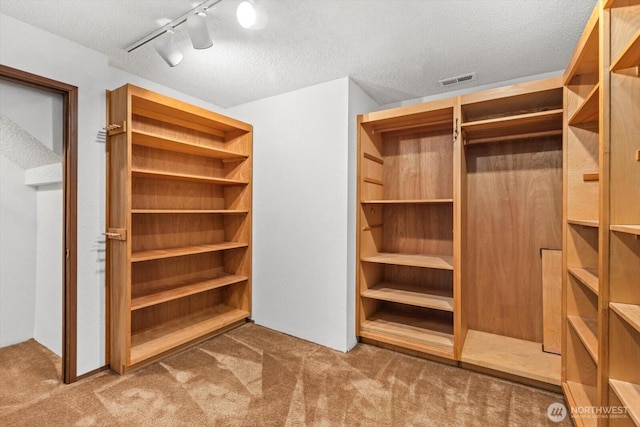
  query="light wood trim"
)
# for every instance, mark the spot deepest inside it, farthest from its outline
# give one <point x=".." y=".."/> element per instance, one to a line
<point x="626" y="228"/>
<point x="594" y="223"/>
<point x="587" y="277"/>
<point x="629" y="395"/>
<point x="629" y="312"/>
<point x="512" y="90"/>
<point x="148" y="173"/>
<point x="587" y="331"/>
<point x="513" y="356"/>
<point x="191" y="211"/>
<point x="373" y="181"/>
<point x="516" y="137"/>
<point x="589" y="109"/>
<point x="630" y="56"/>
<point x="373" y="158"/>
<point x="442" y="262"/>
<point x="542" y="123"/>
<point x="183" y="251"/>
<point x="410" y="295"/>
<point x="552" y="300"/>
<point x="587" y="44"/>
<point x="69" y="94"/>
<point x="408" y="112"/>
<point x="171" y="144"/>
<point x="580" y="395"/>
<point x="166" y="336"/>
<point x="591" y="177"/>
<point x="414" y="201"/>
<point x="183" y="290"/>
<point x="459" y="232"/>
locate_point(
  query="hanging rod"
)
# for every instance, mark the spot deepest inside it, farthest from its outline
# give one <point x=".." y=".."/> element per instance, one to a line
<point x="204" y="6"/>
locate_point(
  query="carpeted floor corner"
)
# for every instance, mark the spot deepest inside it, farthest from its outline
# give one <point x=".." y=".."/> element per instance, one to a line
<point x="253" y="376"/>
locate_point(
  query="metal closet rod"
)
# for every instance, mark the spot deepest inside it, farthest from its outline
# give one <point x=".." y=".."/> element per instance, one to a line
<point x="204" y="6"/>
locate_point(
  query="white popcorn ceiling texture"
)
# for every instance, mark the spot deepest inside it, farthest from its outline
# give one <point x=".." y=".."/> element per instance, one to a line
<point x="394" y="49"/>
<point x="22" y="148"/>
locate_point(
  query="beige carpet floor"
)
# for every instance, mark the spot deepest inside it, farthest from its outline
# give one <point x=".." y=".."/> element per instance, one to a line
<point x="253" y="376"/>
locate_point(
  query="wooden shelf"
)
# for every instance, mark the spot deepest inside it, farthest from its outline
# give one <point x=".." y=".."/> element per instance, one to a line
<point x="510" y="355"/>
<point x="429" y="336"/>
<point x="191" y="211"/>
<point x="412" y="260"/>
<point x="587" y="331"/>
<point x="630" y="313"/>
<point x="630" y="229"/>
<point x="410" y="295"/>
<point x="414" y="201"/>
<point x="587" y="277"/>
<point x="630" y="56"/>
<point x="148" y="173"/>
<point x="169" y="335"/>
<point x="585" y="222"/>
<point x="178" y="146"/>
<point x="629" y="395"/>
<point x="182" y="251"/>
<point x="589" y="110"/>
<point x="543" y="123"/>
<point x="581" y="396"/>
<point x="183" y="290"/>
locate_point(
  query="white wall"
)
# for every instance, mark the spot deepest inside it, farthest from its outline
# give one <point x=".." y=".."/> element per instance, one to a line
<point x="47" y="328"/>
<point x="17" y="255"/>
<point x="28" y="48"/>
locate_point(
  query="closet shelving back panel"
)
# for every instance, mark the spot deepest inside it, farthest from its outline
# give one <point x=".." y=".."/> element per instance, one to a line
<point x="179" y="225"/>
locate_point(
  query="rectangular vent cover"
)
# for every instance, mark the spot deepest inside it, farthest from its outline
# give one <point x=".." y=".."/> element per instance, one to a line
<point x="458" y="79"/>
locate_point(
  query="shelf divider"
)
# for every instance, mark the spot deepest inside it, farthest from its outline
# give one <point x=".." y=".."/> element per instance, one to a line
<point x="629" y="395"/>
<point x="191" y="211"/>
<point x="587" y="277"/>
<point x="589" y="110"/>
<point x="587" y="331"/>
<point x="630" y="56"/>
<point x="183" y="251"/>
<point x="408" y="201"/>
<point x="170" y="144"/>
<point x="630" y="229"/>
<point x="442" y="262"/>
<point x="585" y="222"/>
<point x="149" y="173"/>
<point x="630" y="313"/>
<point x="410" y="295"/>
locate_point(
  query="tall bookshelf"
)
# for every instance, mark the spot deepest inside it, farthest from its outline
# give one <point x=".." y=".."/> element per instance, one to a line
<point x="178" y="225"/>
<point x="622" y="68"/>
<point x="406" y="292"/>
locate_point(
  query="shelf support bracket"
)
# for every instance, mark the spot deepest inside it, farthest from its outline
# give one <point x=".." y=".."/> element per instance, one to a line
<point x="115" y="129"/>
<point x="116" y="234"/>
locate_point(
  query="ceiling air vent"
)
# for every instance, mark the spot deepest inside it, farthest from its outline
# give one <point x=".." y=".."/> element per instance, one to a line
<point x="458" y="79"/>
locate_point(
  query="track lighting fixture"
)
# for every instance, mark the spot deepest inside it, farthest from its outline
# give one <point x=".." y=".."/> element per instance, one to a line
<point x="249" y="15"/>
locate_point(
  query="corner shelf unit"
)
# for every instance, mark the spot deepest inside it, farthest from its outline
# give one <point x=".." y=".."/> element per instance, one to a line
<point x="512" y="149"/>
<point x="406" y="295"/>
<point x="178" y="225"/>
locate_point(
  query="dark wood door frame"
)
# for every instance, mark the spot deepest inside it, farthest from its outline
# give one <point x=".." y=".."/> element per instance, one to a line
<point x="70" y="193"/>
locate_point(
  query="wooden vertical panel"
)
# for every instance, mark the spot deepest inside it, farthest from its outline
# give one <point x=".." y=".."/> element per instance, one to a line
<point x="459" y="233"/>
<point x="418" y="229"/>
<point x="551" y="300"/>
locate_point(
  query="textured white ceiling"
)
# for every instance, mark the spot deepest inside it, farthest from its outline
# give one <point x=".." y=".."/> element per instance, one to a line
<point x="394" y="49"/>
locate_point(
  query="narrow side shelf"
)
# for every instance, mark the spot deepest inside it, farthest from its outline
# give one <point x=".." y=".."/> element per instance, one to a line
<point x="414" y="201"/>
<point x="581" y="396"/>
<point x="629" y="229"/>
<point x="589" y="110"/>
<point x="186" y="250"/>
<point x="585" y="222"/>
<point x="429" y="336"/>
<point x="191" y="211"/>
<point x="511" y="355"/>
<point x="148" y="173"/>
<point x="587" y="331"/>
<point x="183" y="290"/>
<point x="543" y="123"/>
<point x="629" y="395"/>
<point x="410" y="295"/>
<point x="630" y="56"/>
<point x="170" y="144"/>
<point x="630" y="313"/>
<point x="587" y="277"/>
<point x="169" y="335"/>
<point x="442" y="262"/>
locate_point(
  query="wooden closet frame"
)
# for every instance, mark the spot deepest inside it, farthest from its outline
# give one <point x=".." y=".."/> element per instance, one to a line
<point x="69" y="95"/>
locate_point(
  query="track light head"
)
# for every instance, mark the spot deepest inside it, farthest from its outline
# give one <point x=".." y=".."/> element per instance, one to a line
<point x="198" y="31"/>
<point x="251" y="15"/>
<point x="167" y="49"/>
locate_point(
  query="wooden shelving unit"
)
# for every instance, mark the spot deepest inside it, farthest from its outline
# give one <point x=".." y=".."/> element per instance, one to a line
<point x="406" y="289"/>
<point x="503" y="322"/>
<point x="585" y="290"/>
<point x="623" y="229"/>
<point x="178" y="223"/>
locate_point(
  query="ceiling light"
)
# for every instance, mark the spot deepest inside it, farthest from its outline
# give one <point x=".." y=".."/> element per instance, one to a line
<point x="167" y="49"/>
<point x="250" y="15"/>
<point x="198" y="31"/>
